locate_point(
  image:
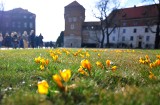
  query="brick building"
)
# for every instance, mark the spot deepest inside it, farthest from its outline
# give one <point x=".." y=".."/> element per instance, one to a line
<point x="133" y="27"/>
<point x="18" y="20"/>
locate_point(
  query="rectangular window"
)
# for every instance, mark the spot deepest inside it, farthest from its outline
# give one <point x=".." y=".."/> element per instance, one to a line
<point x="124" y="30"/>
<point x="25" y="25"/>
<point x="74" y="19"/>
<point x="70" y="19"/>
<point x="13" y="24"/>
<point x="72" y="26"/>
<point x="7" y="24"/>
<point x="19" y="24"/>
<point x="113" y="38"/>
<point x="31" y="25"/>
<point x="124" y="23"/>
<point x="134" y="30"/>
<point x="146" y="30"/>
<point x="131" y="38"/>
<point x="147" y="38"/>
<point x="123" y="38"/>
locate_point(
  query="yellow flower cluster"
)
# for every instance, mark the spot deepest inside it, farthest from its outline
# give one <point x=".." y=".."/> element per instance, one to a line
<point x="151" y="65"/>
<point x="85" y="67"/>
<point x="145" y="60"/>
<point x="42" y="61"/>
<point x="64" y="75"/>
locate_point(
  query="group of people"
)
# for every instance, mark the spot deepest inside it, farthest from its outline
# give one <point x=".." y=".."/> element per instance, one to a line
<point x="15" y="40"/>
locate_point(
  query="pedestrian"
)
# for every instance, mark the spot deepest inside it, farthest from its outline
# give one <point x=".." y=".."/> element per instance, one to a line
<point x="1" y="40"/>
<point x="40" y="40"/>
<point x="7" y="40"/>
<point x="25" y="39"/>
<point x="15" y="40"/>
<point x="32" y="38"/>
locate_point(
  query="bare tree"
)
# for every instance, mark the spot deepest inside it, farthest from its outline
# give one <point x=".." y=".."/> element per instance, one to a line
<point x="157" y="22"/>
<point x="105" y="7"/>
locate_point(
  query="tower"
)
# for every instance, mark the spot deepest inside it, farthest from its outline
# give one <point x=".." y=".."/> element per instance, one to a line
<point x="74" y="16"/>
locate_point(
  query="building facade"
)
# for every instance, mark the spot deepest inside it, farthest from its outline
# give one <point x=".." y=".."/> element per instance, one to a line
<point x="133" y="27"/>
<point x="17" y="20"/>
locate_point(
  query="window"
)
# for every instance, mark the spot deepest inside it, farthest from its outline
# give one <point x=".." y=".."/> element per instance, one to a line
<point x="135" y="23"/>
<point x="124" y="30"/>
<point x="25" y="16"/>
<point x="74" y="19"/>
<point x="113" y="38"/>
<point x="131" y="38"/>
<point x="31" y="25"/>
<point x="19" y="24"/>
<point x="25" y="25"/>
<point x="30" y="17"/>
<point x="7" y="25"/>
<point x="146" y="30"/>
<point x="124" y="23"/>
<point x="134" y="30"/>
<point x="72" y="26"/>
<point x="13" y="24"/>
<point x="147" y="38"/>
<point x="70" y="19"/>
<point x="123" y="38"/>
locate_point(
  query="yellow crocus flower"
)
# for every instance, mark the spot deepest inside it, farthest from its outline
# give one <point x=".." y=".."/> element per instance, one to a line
<point x="58" y="81"/>
<point x="80" y="70"/>
<point x="43" y="87"/>
<point x="98" y="63"/>
<point x="65" y="74"/>
<point x="108" y="63"/>
<point x="86" y="64"/>
<point x="114" y="68"/>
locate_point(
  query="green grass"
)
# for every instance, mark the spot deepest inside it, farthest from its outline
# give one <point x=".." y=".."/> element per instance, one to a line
<point x="128" y="85"/>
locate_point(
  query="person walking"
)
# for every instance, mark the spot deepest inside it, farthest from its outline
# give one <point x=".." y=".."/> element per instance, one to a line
<point x="25" y="39"/>
<point x="1" y="40"/>
<point x="32" y="38"/>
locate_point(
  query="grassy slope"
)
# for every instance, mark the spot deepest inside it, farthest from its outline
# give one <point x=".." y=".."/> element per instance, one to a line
<point x="129" y="84"/>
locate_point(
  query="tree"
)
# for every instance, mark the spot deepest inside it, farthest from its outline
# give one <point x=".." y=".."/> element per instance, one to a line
<point x="104" y="8"/>
<point x="60" y="40"/>
<point x="157" y="32"/>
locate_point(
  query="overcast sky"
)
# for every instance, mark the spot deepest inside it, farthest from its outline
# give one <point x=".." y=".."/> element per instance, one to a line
<point x="50" y="13"/>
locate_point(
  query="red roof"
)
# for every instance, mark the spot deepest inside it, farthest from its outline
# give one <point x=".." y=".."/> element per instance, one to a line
<point x="138" y="12"/>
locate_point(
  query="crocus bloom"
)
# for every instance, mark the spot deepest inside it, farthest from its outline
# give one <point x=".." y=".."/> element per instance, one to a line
<point x="80" y="70"/>
<point x="86" y="64"/>
<point x="55" y="57"/>
<point x="151" y="75"/>
<point x="47" y="62"/>
<point x="108" y="62"/>
<point x="114" y="68"/>
<point x="42" y="61"/>
<point x="65" y="74"/>
<point x="42" y="67"/>
<point x="98" y="63"/>
<point x="37" y="60"/>
<point x="43" y="87"/>
<point x="57" y="79"/>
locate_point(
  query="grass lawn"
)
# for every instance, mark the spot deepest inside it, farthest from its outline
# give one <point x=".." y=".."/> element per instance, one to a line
<point x="79" y="77"/>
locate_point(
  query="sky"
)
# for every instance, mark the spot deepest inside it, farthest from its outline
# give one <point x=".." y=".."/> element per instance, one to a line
<point x="50" y="13"/>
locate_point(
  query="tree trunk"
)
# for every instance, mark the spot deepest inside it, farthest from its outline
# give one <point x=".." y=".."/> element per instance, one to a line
<point x="157" y="38"/>
<point x="103" y="36"/>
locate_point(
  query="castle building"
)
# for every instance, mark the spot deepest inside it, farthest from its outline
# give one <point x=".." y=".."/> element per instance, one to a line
<point x="17" y="20"/>
<point x="133" y="29"/>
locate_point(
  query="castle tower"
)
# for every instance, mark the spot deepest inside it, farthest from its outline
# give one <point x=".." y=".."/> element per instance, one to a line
<point x="74" y="16"/>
